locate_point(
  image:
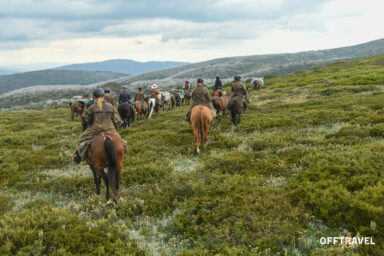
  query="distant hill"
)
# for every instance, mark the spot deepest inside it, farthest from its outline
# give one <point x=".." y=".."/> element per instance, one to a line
<point x="54" y="77"/>
<point x="7" y="72"/>
<point x="226" y="68"/>
<point x="259" y="65"/>
<point x="124" y="66"/>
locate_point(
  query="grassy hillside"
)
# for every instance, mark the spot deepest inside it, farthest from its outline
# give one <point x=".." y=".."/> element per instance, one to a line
<point x="54" y="77"/>
<point x="306" y="162"/>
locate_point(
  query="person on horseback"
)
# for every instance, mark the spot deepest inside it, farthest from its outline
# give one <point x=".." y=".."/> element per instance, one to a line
<point x="187" y="86"/>
<point x="155" y="94"/>
<point x="238" y="89"/>
<point x="200" y="96"/>
<point x="108" y="98"/>
<point x="102" y="118"/>
<point x="125" y="97"/>
<point x="218" y="85"/>
<point x="140" y="97"/>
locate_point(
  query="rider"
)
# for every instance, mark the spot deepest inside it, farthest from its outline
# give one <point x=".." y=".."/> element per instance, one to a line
<point x="140" y="97"/>
<point x="238" y="89"/>
<point x="218" y="85"/>
<point x="108" y="98"/>
<point x="125" y="97"/>
<point x="101" y="117"/>
<point x="155" y="94"/>
<point x="200" y="96"/>
<point x="187" y="86"/>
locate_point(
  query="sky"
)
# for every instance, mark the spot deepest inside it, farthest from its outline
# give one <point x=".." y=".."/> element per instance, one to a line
<point x="38" y="34"/>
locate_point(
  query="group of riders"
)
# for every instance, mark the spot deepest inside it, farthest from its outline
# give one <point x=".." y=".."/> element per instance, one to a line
<point x="102" y="117"/>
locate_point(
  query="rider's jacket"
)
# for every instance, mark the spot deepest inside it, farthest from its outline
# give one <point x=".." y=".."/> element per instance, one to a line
<point x="108" y="98"/>
<point x="124" y="97"/>
<point x="139" y="96"/>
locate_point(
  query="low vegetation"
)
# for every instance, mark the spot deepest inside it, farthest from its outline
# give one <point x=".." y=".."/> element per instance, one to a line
<point x="306" y="162"/>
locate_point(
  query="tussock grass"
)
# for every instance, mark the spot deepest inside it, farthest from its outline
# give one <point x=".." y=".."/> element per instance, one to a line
<point x="305" y="162"/>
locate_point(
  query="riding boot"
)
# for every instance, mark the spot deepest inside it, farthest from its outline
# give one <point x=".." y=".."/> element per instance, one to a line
<point x="189" y="117"/>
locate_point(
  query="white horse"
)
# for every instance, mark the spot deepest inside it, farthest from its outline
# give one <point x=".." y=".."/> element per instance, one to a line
<point x="152" y="103"/>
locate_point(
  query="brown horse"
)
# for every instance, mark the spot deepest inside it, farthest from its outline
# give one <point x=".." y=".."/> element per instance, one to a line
<point x="139" y="108"/>
<point x="257" y="83"/>
<point x="187" y="97"/>
<point x="237" y="107"/>
<point x="219" y="93"/>
<point x="106" y="151"/>
<point x="77" y="108"/>
<point x="220" y="104"/>
<point x="175" y="99"/>
<point x="201" y="119"/>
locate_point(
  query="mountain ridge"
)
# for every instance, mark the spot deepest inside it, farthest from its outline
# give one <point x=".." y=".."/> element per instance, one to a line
<point x="125" y="66"/>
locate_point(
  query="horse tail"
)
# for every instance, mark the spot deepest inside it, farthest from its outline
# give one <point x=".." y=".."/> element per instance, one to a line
<point x="111" y="156"/>
<point x="234" y="109"/>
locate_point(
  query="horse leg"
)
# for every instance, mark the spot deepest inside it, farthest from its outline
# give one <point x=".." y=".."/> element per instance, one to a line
<point x="238" y="120"/>
<point x="97" y="182"/>
<point x="105" y="178"/>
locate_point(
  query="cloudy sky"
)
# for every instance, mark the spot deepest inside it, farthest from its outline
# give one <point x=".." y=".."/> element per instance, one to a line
<point x="44" y="33"/>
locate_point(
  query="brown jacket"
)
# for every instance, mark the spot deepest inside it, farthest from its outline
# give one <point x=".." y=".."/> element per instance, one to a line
<point x="155" y="94"/>
<point x="100" y="121"/>
<point x="139" y="96"/>
<point x="238" y="89"/>
<point x="108" y="98"/>
<point x="200" y="96"/>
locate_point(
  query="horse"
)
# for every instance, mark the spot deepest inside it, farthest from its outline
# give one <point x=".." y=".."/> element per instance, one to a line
<point x="126" y="113"/>
<point x="237" y="107"/>
<point x="139" y="108"/>
<point x="257" y="83"/>
<point x="166" y="98"/>
<point x="187" y="97"/>
<point x="153" y="105"/>
<point x="77" y="108"/>
<point x="175" y="99"/>
<point x="106" y="151"/>
<point x="201" y="119"/>
<point x="220" y="104"/>
<point x="219" y="93"/>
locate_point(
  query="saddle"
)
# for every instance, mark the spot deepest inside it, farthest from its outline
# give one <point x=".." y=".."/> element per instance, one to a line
<point x="84" y="146"/>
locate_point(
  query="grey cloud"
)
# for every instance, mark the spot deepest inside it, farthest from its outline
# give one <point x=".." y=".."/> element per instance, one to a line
<point x="29" y="20"/>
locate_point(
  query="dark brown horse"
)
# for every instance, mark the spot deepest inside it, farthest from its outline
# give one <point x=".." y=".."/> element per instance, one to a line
<point x="220" y="104"/>
<point x="237" y="107"/>
<point x="139" y="108"/>
<point x="187" y="97"/>
<point x="126" y="113"/>
<point x="201" y="119"/>
<point x="77" y="108"/>
<point x="175" y="99"/>
<point x="106" y="151"/>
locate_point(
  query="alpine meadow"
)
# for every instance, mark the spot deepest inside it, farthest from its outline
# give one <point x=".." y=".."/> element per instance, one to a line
<point x="305" y="162"/>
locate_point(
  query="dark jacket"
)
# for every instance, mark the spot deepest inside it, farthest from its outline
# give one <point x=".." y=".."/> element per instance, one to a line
<point x="218" y="85"/>
<point x="200" y="96"/>
<point x="124" y="97"/>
